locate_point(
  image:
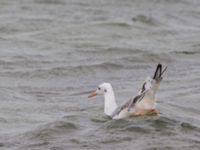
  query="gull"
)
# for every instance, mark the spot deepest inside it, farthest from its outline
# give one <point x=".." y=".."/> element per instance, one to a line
<point x="142" y="104"/>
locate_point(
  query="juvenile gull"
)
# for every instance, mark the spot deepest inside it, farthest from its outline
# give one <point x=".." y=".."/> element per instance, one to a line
<point x="142" y="104"/>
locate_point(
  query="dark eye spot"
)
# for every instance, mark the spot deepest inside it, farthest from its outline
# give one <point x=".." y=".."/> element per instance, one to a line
<point x="105" y="90"/>
<point x="99" y="88"/>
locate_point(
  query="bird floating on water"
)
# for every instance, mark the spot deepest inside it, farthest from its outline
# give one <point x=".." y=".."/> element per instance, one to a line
<point x="142" y="104"/>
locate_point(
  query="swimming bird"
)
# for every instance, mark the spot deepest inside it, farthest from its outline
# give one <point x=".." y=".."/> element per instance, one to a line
<point x="142" y="104"/>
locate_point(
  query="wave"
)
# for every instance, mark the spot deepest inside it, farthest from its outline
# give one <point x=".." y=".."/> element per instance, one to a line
<point x="149" y="124"/>
<point x="148" y="58"/>
<point x="146" y="20"/>
<point x="52" y="129"/>
<point x="127" y="59"/>
<point x="50" y="2"/>
<point x="63" y="71"/>
<point x="114" y="24"/>
<point x="187" y="52"/>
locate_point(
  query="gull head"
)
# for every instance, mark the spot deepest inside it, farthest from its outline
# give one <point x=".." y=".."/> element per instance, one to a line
<point x="101" y="89"/>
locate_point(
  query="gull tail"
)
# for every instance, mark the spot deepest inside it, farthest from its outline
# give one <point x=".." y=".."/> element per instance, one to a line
<point x="159" y="72"/>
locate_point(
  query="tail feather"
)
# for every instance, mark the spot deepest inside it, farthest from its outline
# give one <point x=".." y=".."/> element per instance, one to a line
<point x="159" y="72"/>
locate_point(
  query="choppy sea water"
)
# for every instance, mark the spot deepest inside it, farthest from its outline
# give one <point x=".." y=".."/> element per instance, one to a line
<point x="52" y="51"/>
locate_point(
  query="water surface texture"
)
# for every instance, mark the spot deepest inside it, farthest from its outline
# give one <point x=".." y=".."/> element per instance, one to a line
<point x="52" y="51"/>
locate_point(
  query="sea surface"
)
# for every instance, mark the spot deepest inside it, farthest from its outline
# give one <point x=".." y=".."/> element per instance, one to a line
<point x="53" y="51"/>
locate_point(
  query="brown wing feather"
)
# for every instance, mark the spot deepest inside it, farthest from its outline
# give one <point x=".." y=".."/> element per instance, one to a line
<point x="130" y="104"/>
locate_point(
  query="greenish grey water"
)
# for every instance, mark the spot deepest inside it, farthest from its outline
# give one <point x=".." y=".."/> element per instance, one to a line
<point x="52" y="51"/>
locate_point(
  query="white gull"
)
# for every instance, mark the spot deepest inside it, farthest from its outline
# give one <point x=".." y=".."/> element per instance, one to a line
<point x="142" y="104"/>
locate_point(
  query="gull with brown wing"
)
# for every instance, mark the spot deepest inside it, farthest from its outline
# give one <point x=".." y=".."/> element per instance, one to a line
<point x="142" y="104"/>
